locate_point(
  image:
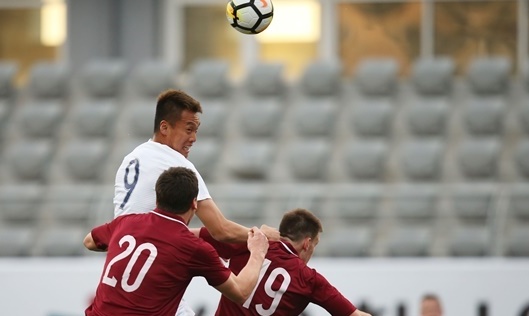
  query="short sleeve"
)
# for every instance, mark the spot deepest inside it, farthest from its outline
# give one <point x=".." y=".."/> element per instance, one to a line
<point x="225" y="250"/>
<point x="206" y="263"/>
<point x="328" y="297"/>
<point x="102" y="234"/>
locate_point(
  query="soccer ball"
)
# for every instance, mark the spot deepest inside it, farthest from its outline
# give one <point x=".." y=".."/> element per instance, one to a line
<point x="250" y="16"/>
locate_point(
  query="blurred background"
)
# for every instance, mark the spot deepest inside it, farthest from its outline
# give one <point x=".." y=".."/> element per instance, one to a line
<point x="404" y="125"/>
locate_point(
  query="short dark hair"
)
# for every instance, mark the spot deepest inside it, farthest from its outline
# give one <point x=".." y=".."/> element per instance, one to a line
<point x="176" y="188"/>
<point x="298" y="224"/>
<point x="170" y="105"/>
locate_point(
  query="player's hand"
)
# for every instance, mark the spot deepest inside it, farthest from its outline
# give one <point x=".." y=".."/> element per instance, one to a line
<point x="270" y="232"/>
<point x="257" y="241"/>
<point x="360" y="313"/>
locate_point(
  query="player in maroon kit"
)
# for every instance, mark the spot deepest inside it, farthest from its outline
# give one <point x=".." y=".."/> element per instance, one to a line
<point x="286" y="284"/>
<point x="152" y="257"/>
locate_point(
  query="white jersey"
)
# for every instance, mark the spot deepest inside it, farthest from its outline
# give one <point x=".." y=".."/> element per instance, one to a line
<point x="136" y="177"/>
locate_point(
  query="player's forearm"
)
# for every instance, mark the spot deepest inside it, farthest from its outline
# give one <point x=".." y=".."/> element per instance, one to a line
<point x="231" y="232"/>
<point x="247" y="278"/>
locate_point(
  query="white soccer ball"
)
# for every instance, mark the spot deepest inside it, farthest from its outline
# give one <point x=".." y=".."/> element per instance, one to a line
<point x="250" y="16"/>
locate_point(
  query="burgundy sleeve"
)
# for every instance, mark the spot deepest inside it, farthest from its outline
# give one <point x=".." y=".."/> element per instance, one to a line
<point x="328" y="297"/>
<point x="206" y="262"/>
<point x="102" y="234"/>
<point x="225" y="250"/>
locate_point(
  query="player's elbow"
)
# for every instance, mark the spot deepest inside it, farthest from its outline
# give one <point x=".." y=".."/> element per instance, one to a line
<point x="223" y="233"/>
<point x="89" y="242"/>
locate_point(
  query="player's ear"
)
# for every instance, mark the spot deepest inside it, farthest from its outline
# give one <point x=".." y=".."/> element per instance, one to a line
<point x="306" y="243"/>
<point x="163" y="127"/>
<point x="194" y="205"/>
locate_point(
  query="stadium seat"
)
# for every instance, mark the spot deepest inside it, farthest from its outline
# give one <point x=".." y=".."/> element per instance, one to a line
<point x="20" y="203"/>
<point x="522" y="157"/>
<point x="61" y="240"/>
<point x="103" y="78"/>
<point x="484" y="116"/>
<point x="433" y="76"/>
<point x="428" y="116"/>
<point x="472" y="205"/>
<point x="41" y="118"/>
<point x="377" y="76"/>
<point x="8" y="71"/>
<point x="353" y="205"/>
<point x="307" y="159"/>
<point x="212" y="120"/>
<point x="16" y="240"/>
<point x="519" y="203"/>
<point x="478" y="158"/>
<point x="366" y="160"/>
<point x="80" y="162"/>
<point x="409" y="241"/>
<point x="469" y="241"/>
<point x="351" y="241"/>
<point x="209" y="78"/>
<point x="321" y="78"/>
<point x="252" y="159"/>
<point x="95" y="119"/>
<point x="516" y="243"/>
<point x="266" y="79"/>
<point x="205" y="156"/>
<point x="151" y="77"/>
<point x="141" y="121"/>
<point x="523" y="115"/>
<point x="489" y="75"/>
<point x="48" y="81"/>
<point x="373" y="117"/>
<point x="70" y="204"/>
<point x="243" y="203"/>
<point x="261" y="118"/>
<point x="27" y="161"/>
<point x="422" y="159"/>
<point x="415" y="203"/>
<point x="316" y="118"/>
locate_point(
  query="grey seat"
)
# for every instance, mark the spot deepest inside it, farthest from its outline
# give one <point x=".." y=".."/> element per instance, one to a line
<point x="141" y="121"/>
<point x="472" y="205"/>
<point x="517" y="244"/>
<point x="82" y="162"/>
<point x="353" y="241"/>
<point x="213" y="119"/>
<point x="519" y="203"/>
<point x="41" y="118"/>
<point x="308" y="159"/>
<point x="422" y="159"/>
<point x="61" y="240"/>
<point x="428" y="116"/>
<point x="95" y="119"/>
<point x="209" y="78"/>
<point x="261" y="118"/>
<point x="315" y="118"/>
<point x="522" y="157"/>
<point x="415" y="203"/>
<point x="48" y="81"/>
<point x="242" y="203"/>
<point x="484" y="116"/>
<point x="103" y="78"/>
<point x="478" y="158"/>
<point x="321" y="78"/>
<point x="409" y="241"/>
<point x="266" y="79"/>
<point x="489" y="75"/>
<point x="28" y="160"/>
<point x="366" y="160"/>
<point x="20" y="203"/>
<point x="70" y="204"/>
<point x="8" y="71"/>
<point x="151" y="77"/>
<point x="352" y="205"/>
<point x="523" y="114"/>
<point x="377" y="76"/>
<point x="205" y="155"/>
<point x="16" y="241"/>
<point x="433" y="76"/>
<point x="252" y="159"/>
<point x="373" y="117"/>
<point x="469" y="241"/>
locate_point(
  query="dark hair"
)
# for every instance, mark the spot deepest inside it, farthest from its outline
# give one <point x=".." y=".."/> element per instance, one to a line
<point x="170" y="105"/>
<point x="176" y="188"/>
<point x="430" y="296"/>
<point x="298" y="224"/>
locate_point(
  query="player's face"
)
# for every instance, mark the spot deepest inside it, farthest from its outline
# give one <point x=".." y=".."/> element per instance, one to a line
<point x="430" y="307"/>
<point x="310" y="245"/>
<point x="183" y="134"/>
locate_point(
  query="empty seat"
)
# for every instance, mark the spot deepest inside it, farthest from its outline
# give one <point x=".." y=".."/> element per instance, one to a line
<point x="377" y="76"/>
<point x="103" y="78"/>
<point x="415" y="203"/>
<point x="266" y="79"/>
<point x="484" y="116"/>
<point x="41" y="118"/>
<point x="28" y="160"/>
<point x="373" y="117"/>
<point x="489" y="75"/>
<point x="422" y="159"/>
<point x="48" y="81"/>
<point x="308" y="159"/>
<point x="472" y="205"/>
<point x="321" y="78"/>
<point x="20" y="203"/>
<point x="261" y="118"/>
<point x="209" y="78"/>
<point x="151" y="77"/>
<point x="213" y="119"/>
<point x="523" y="114"/>
<point x="522" y="158"/>
<point x="353" y="241"/>
<point x="517" y="244"/>
<point x="242" y="203"/>
<point x="428" y="116"/>
<point x="252" y="159"/>
<point x="81" y="162"/>
<point x="469" y="241"/>
<point x="519" y="203"/>
<point x="141" y="121"/>
<point x="409" y="241"/>
<point x="70" y="204"/>
<point x="61" y="240"/>
<point x="478" y="158"/>
<point x="366" y="159"/>
<point x="95" y="119"/>
<point x="433" y="76"/>
<point x="354" y="204"/>
<point x="8" y="71"/>
<point x="16" y="241"/>
<point x="205" y="155"/>
<point x="315" y="118"/>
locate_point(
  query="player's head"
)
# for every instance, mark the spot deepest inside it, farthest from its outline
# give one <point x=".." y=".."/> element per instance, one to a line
<point x="177" y="190"/>
<point x="176" y="120"/>
<point x="431" y="305"/>
<point x="303" y="228"/>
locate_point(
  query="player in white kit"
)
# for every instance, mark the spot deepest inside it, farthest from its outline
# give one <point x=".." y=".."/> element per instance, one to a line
<point x="175" y="130"/>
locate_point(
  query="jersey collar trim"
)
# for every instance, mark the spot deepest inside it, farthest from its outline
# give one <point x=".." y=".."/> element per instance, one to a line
<point x="177" y="219"/>
<point x="288" y="248"/>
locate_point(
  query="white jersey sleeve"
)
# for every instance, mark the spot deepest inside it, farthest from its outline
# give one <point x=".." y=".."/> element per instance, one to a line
<point x="137" y="175"/>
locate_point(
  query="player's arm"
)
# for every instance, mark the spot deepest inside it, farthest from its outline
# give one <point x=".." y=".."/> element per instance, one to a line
<point x="90" y="244"/>
<point x="223" y="229"/>
<point x="360" y="313"/>
<point x="99" y="238"/>
<point x="239" y="287"/>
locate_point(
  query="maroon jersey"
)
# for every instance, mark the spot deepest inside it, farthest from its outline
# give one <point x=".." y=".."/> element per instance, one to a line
<point x="286" y="284"/>
<point x="151" y="259"/>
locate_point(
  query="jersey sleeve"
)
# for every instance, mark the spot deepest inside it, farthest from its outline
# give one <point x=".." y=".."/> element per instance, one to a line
<point x="206" y="263"/>
<point x="203" y="193"/>
<point x="328" y="297"/>
<point x="102" y="234"/>
<point x="225" y="250"/>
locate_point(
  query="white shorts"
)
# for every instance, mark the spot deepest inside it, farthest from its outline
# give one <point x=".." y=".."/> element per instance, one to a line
<point x="184" y="309"/>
